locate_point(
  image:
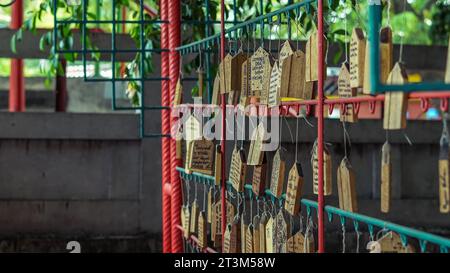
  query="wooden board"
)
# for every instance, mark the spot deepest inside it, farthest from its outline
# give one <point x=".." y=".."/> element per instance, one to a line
<point x="195" y="210"/>
<point x="327" y="168"/>
<point x="282" y="229"/>
<point x="215" y="99"/>
<point x="218" y="166"/>
<point x="391" y="243"/>
<point x="255" y="153"/>
<point x="294" y="190"/>
<point x="193" y="129"/>
<point x="209" y="205"/>
<point x="298" y="244"/>
<point x="244" y="227"/>
<point x="312" y="58"/>
<point x="285" y="67"/>
<point x="245" y="82"/>
<point x="396" y="103"/>
<point x="357" y="58"/>
<point x="274" y="87"/>
<point x="202" y="230"/>
<point x="227" y="240"/>
<point x="249" y="240"/>
<point x="270" y="235"/>
<point x="386" y="53"/>
<point x="256" y="235"/>
<point x="178" y="93"/>
<point x="366" y="86"/>
<point x="386" y="176"/>
<point x="297" y="78"/>
<point x="444" y="168"/>
<point x="347" y="187"/>
<point x="202" y="157"/>
<point x="236" y="76"/>
<point x="345" y="91"/>
<point x="262" y="232"/>
<point x="186" y="221"/>
<point x="287" y="49"/>
<point x="261" y="66"/>
<point x="235" y="236"/>
<point x="238" y="169"/>
<point x="260" y="177"/>
<point x="277" y="177"/>
<point x="447" y="70"/>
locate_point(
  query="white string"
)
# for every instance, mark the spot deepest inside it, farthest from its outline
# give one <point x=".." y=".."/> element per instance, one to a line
<point x="357" y="241"/>
<point x="296" y="140"/>
<point x="343" y="238"/>
<point x="345" y="30"/>
<point x="204" y="197"/>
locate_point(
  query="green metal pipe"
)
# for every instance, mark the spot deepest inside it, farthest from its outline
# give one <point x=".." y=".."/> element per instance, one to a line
<point x="374" y="29"/>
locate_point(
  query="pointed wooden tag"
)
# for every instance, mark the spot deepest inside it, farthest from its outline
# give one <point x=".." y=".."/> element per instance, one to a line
<point x="277" y="178"/>
<point x="255" y="153"/>
<point x="287" y="49"/>
<point x="227" y="240"/>
<point x="270" y="235"/>
<point x="282" y="229"/>
<point x="392" y="243"/>
<point x="195" y="210"/>
<point x="235" y="236"/>
<point x="345" y="91"/>
<point x="238" y="170"/>
<point x="298" y="244"/>
<point x="294" y="190"/>
<point x="261" y="66"/>
<point x="185" y="221"/>
<point x="312" y="58"/>
<point x="274" y="87"/>
<point x="236" y="76"/>
<point x="347" y="187"/>
<point x="357" y="58"/>
<point x="216" y="225"/>
<point x="447" y="70"/>
<point x="244" y="227"/>
<point x="178" y="93"/>
<point x="396" y="103"/>
<point x="218" y="166"/>
<point x="386" y="173"/>
<point x="285" y="67"/>
<point x="245" y="83"/>
<point x="297" y="80"/>
<point x="256" y="235"/>
<point x="260" y="177"/>
<point x="202" y="230"/>
<point x="225" y="74"/>
<point x="193" y="129"/>
<point x="444" y="168"/>
<point x="262" y="232"/>
<point x="215" y="99"/>
<point x="249" y="240"/>
<point x="327" y="167"/>
<point x="210" y="205"/>
<point x="202" y="157"/>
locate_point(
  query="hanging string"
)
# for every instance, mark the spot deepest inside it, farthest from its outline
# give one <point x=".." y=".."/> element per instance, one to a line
<point x="357" y="240"/>
<point x="402" y="33"/>
<point x="204" y="197"/>
<point x="345" y="139"/>
<point x="343" y="238"/>
<point x="388" y="21"/>
<point x="279" y="35"/>
<point x="296" y="139"/>
<point x="270" y="38"/>
<point x="195" y="191"/>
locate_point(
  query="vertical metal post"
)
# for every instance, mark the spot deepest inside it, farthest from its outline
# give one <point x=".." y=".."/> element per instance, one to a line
<point x="224" y="113"/>
<point x="16" y="79"/>
<point x="174" y="73"/>
<point x="165" y="130"/>
<point x="61" y="95"/>
<point x="374" y="29"/>
<point x="320" y="101"/>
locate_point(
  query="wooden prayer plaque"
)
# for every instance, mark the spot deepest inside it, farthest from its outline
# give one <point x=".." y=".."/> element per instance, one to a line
<point x="225" y="74"/>
<point x="259" y="177"/>
<point x="244" y="227"/>
<point x="386" y="53"/>
<point x="447" y="70"/>
<point x="202" y="157"/>
<point x="392" y="243"/>
<point x="236" y="74"/>
<point x="261" y="67"/>
<point x="216" y="91"/>
<point x="327" y="168"/>
<point x="286" y="50"/>
<point x="444" y="168"/>
<point x="178" y="93"/>
<point x="256" y="235"/>
<point x="245" y="83"/>
<point x="285" y="67"/>
<point x="312" y="58"/>
<point x="231" y="213"/>
<point x="201" y="82"/>
<point x="249" y="240"/>
<point x="202" y="230"/>
<point x="386" y="172"/>
<point x="270" y="235"/>
<point x="274" y="87"/>
<point x="366" y="86"/>
<point x="357" y="58"/>
<point x="277" y="178"/>
<point x="193" y="129"/>
<point x="218" y="166"/>
<point x="227" y="240"/>
<point x="185" y="221"/>
<point x="293" y="77"/>
<point x="238" y="170"/>
<point x="235" y="237"/>
<point x="345" y="91"/>
<point x="294" y="190"/>
<point x="210" y="205"/>
<point x="347" y="187"/>
<point x="255" y="153"/>
<point x="262" y="232"/>
<point x="216" y="225"/>
<point x="195" y="210"/>
<point x="396" y="103"/>
<point x="298" y="244"/>
<point x="282" y="229"/>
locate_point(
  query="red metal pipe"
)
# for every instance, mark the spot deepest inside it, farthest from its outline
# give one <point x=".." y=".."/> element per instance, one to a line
<point x="224" y="114"/>
<point x="174" y="72"/>
<point x="165" y="130"/>
<point x="16" y="79"/>
<point x="320" y="99"/>
<point x="61" y="95"/>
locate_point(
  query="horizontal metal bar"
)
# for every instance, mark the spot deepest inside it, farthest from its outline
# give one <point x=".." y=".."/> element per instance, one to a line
<point x="155" y="136"/>
<point x="428" y="237"/>
<point x="413" y="87"/>
<point x="126" y="79"/>
<point x="114" y="22"/>
<point x="125" y="108"/>
<point x="109" y="51"/>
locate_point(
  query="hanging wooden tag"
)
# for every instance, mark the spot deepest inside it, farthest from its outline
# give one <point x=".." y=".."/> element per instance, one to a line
<point x="215" y="99"/>
<point x="238" y="170"/>
<point x="235" y="236"/>
<point x="327" y="167"/>
<point x="298" y="244"/>
<point x="255" y="153"/>
<point x="202" y="230"/>
<point x="202" y="157"/>
<point x="282" y="229"/>
<point x="256" y="235"/>
<point x="185" y="221"/>
<point x="245" y="82"/>
<point x="386" y="53"/>
<point x="262" y="232"/>
<point x="195" y="210"/>
<point x="178" y="145"/>
<point x="294" y="189"/>
<point x="345" y="91"/>
<point x="244" y="227"/>
<point x="285" y="60"/>
<point x="178" y="93"/>
<point x="396" y="103"/>
<point x="447" y="70"/>
<point x="236" y="74"/>
<point x="261" y="66"/>
<point x="210" y="205"/>
<point x="287" y="49"/>
<point x="249" y="240"/>
<point x="357" y="58"/>
<point x="346" y="187"/>
<point x="270" y="235"/>
<point x="193" y="129"/>
<point x="227" y="240"/>
<point x="293" y="77"/>
<point x="444" y="168"/>
<point x="277" y="178"/>
<point x="201" y="83"/>
<point x="312" y="58"/>
<point x="216" y="225"/>
<point x="218" y="166"/>
<point x="259" y="177"/>
<point x="231" y="212"/>
<point x="274" y="87"/>
<point x="366" y="86"/>
<point x="225" y="74"/>
<point x="386" y="172"/>
<point x="392" y="243"/>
